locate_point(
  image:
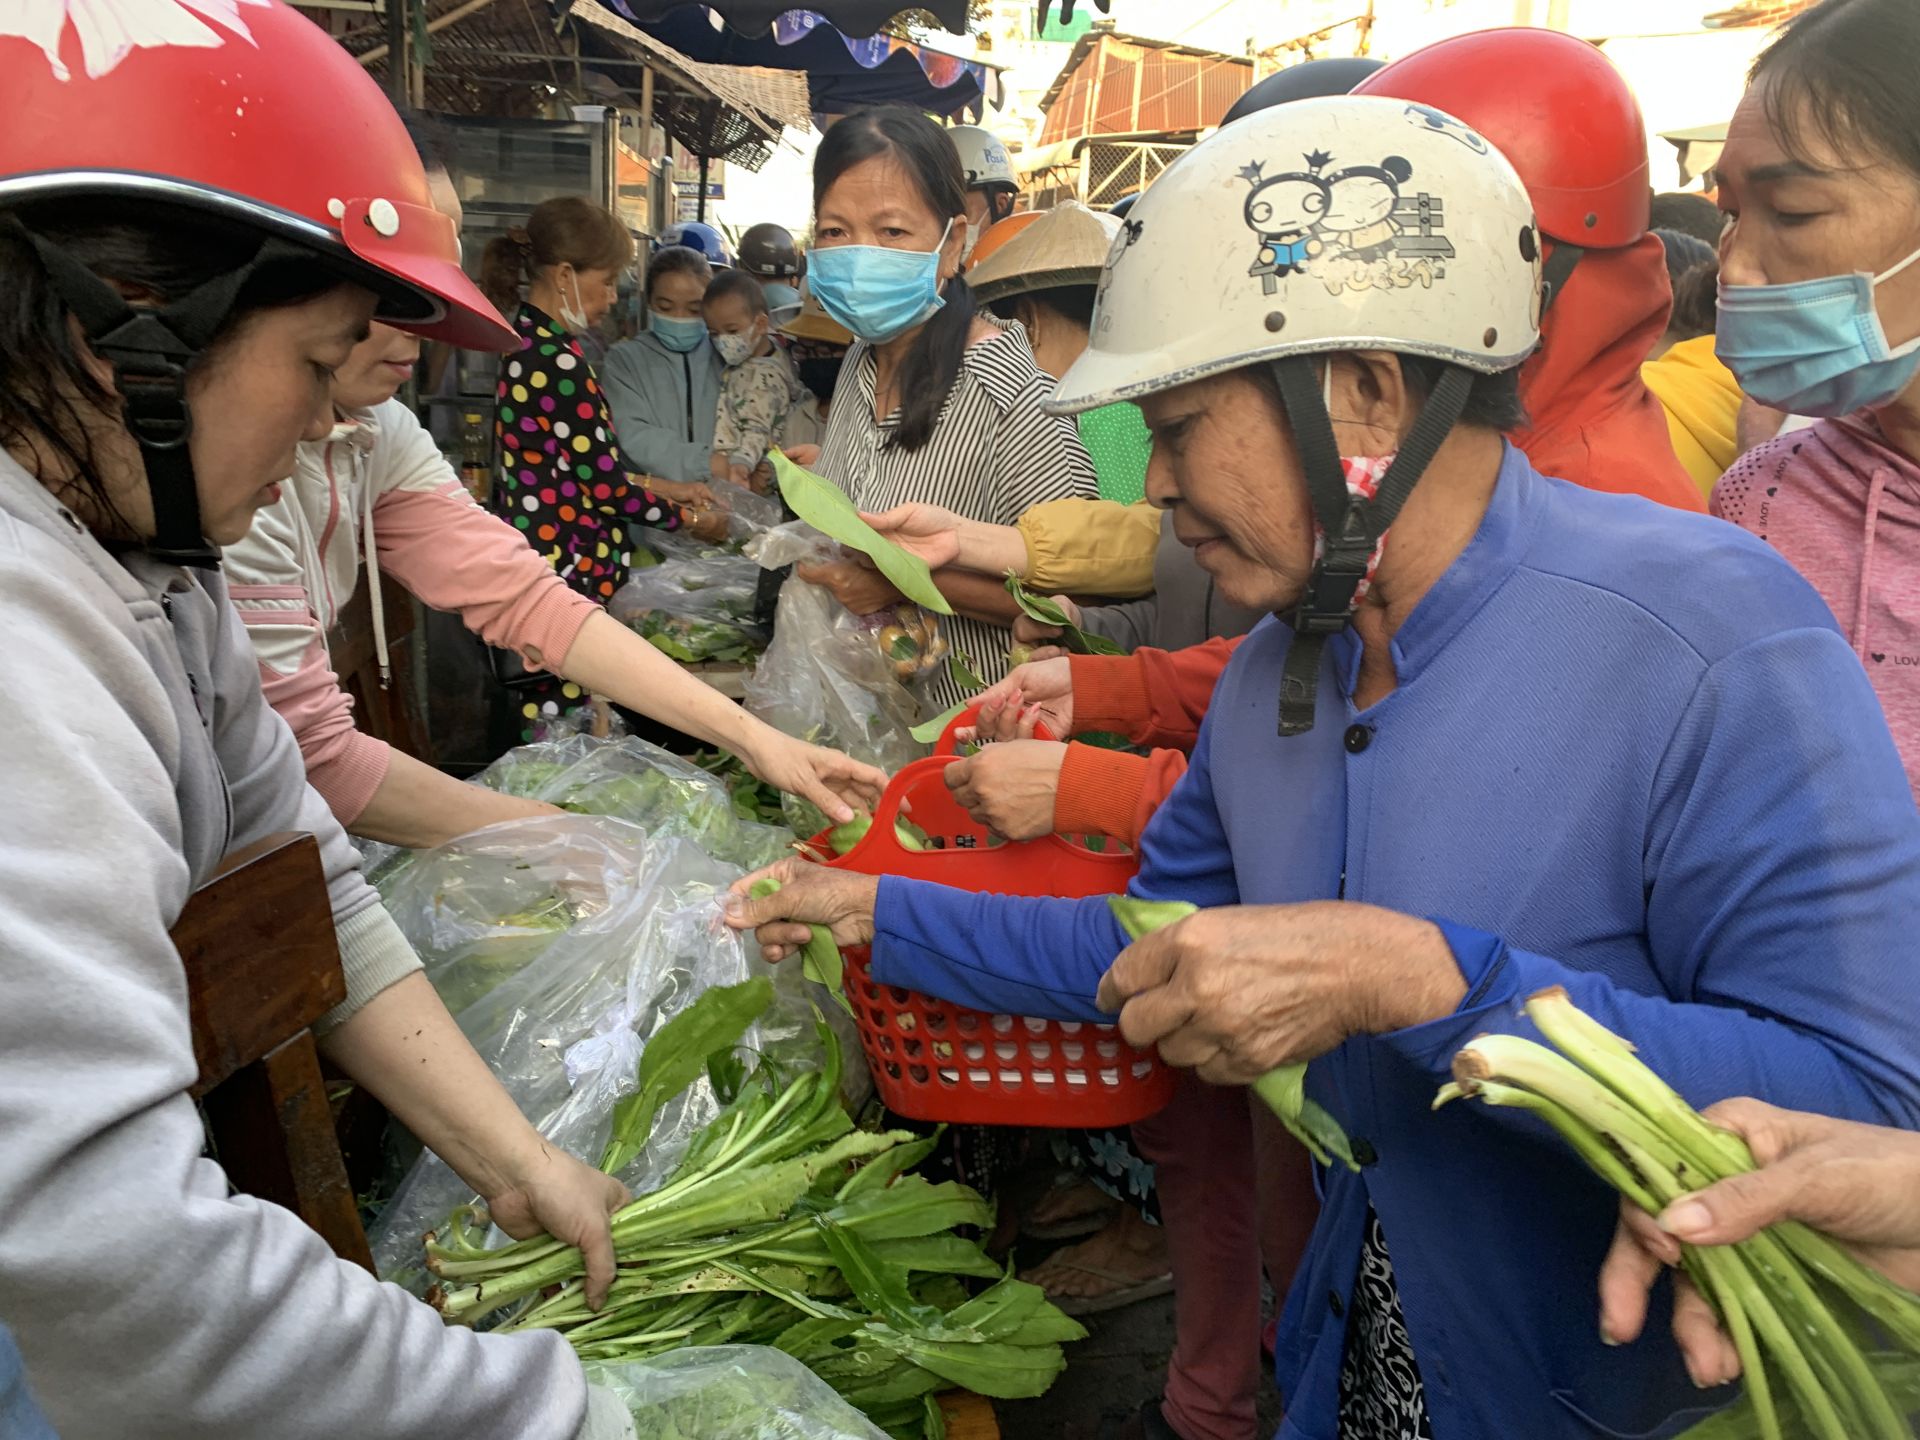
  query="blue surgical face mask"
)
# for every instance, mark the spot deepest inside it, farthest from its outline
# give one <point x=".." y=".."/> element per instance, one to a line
<point x="1814" y="347"/>
<point x="679" y="336"/>
<point x="877" y="292"/>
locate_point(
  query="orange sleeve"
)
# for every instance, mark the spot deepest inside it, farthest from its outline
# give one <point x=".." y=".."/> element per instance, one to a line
<point x="1110" y="792"/>
<point x="1153" y="697"/>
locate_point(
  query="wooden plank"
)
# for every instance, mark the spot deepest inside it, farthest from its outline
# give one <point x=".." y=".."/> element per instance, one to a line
<point x="273" y="1132"/>
<point x="969" y="1416"/>
<point x="258" y="947"/>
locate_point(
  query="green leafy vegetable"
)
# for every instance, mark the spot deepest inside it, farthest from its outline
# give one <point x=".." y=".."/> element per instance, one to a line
<point x="1283" y="1089"/>
<point x="1047" y="612"/>
<point x="929" y="731"/>
<point x="679" y="1052"/>
<point x="826" y="507"/>
<point x="820" y="958"/>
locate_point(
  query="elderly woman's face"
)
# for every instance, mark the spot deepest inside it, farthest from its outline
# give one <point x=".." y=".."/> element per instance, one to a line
<point x="1813" y="212"/>
<point x="1224" y="464"/>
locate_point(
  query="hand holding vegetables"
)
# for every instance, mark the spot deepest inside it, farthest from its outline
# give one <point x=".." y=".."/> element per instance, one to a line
<point x="1239" y="990"/>
<point x="1038" y="692"/>
<point x="809" y="895"/>
<point x="1857" y="1183"/>
<point x="1009" y="787"/>
<point x="548" y="1192"/>
<point x="837" y="783"/>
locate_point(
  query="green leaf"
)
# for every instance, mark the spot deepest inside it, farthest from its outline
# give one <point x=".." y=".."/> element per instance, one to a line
<point x="880" y="1287"/>
<point x="826" y="507"/>
<point x="931" y="730"/>
<point x="1048" y="612"/>
<point x="676" y="1056"/>
<point x="913" y="1205"/>
<point x="961" y="670"/>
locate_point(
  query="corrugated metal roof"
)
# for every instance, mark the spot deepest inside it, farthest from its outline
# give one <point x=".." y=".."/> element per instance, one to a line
<point x="1114" y="84"/>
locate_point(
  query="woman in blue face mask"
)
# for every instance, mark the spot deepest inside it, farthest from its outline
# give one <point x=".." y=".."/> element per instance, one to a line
<point x="1820" y="316"/>
<point x="935" y="403"/>
<point x="664" y="384"/>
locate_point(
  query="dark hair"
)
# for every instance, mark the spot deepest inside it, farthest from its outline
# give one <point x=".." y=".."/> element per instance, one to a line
<point x="432" y="141"/>
<point x="926" y="152"/>
<point x="1684" y="253"/>
<point x="677" y="260"/>
<point x="1846" y="68"/>
<point x="46" y="390"/>
<point x="1073" y="303"/>
<point x="739" y="285"/>
<point x="566" y="230"/>
<point x="1694" y="216"/>
<point x="1696" y="301"/>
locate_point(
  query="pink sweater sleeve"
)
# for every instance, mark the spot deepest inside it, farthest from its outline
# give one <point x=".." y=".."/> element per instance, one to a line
<point x="455" y="556"/>
<point x="343" y="764"/>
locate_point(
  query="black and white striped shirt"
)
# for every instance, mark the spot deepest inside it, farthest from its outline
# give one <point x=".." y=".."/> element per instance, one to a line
<point x="993" y="455"/>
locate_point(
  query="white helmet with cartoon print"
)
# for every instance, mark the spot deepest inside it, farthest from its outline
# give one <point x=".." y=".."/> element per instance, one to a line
<point x="1344" y="223"/>
<point x="1310" y="228"/>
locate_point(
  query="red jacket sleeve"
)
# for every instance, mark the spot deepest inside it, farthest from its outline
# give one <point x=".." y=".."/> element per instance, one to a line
<point x="1153" y="697"/>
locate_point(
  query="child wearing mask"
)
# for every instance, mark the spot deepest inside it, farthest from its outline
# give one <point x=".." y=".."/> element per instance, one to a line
<point x="758" y="390"/>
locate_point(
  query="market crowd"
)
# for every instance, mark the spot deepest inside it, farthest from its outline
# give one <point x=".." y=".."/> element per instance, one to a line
<point x="1502" y="569"/>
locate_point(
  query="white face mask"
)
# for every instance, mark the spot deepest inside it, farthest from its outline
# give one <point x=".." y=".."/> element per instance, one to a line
<point x="974" y="227"/>
<point x="574" y="316"/>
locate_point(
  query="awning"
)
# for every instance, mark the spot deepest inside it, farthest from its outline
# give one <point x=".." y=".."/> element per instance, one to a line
<point x="771" y="99"/>
<point x="855" y="18"/>
<point x="1114" y="84"/>
<point x="842" y="72"/>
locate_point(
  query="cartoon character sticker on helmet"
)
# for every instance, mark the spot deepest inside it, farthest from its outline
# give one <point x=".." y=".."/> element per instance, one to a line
<point x="1353" y="229"/>
<point x="1441" y="123"/>
<point x="1285" y="211"/>
<point x="110" y="30"/>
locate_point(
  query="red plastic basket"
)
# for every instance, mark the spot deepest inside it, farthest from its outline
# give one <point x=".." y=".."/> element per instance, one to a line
<point x="933" y="1060"/>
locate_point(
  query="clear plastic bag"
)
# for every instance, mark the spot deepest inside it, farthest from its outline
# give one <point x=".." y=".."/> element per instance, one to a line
<point x="632" y="780"/>
<point x="694" y="607"/>
<point x="731" y="1392"/>
<point x="824" y="679"/>
<point x="561" y="1015"/>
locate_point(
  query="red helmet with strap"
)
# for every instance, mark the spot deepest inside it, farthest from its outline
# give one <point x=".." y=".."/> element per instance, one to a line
<point x="1556" y="108"/>
<point x="242" y="111"/>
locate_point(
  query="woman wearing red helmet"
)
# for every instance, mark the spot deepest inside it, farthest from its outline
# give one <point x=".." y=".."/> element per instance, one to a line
<point x="177" y="297"/>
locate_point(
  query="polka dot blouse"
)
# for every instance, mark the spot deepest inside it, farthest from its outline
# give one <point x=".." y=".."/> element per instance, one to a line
<point x="561" y="481"/>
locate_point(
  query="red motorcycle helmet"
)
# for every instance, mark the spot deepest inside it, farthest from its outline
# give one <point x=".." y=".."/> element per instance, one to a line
<point x="1556" y="108"/>
<point x="246" y="110"/>
<point x="242" y="111"/>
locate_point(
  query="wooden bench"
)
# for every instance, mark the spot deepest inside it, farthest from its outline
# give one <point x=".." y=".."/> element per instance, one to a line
<point x="262" y="966"/>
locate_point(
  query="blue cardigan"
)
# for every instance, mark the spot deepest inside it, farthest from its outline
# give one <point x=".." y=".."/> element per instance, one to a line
<point x="1630" y="754"/>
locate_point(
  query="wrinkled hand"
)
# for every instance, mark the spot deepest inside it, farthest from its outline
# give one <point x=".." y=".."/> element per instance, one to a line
<point x="809" y="895"/>
<point x="862" y="589"/>
<point x="741" y="475"/>
<point x="761" y="480"/>
<point x="1235" y="991"/>
<point x="805" y="456"/>
<point x="688" y="494"/>
<point x="551" y="1193"/>
<point x="924" y="530"/>
<point x="708" y="525"/>
<point x="1039" y="691"/>
<point x="838" y="784"/>
<point x="1010" y="787"/>
<point x="718" y="464"/>
<point x="1857" y="1183"/>
<point x="1029" y="631"/>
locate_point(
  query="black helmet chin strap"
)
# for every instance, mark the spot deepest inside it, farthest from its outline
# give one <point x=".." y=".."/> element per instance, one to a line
<point x="151" y="351"/>
<point x="1352" y="526"/>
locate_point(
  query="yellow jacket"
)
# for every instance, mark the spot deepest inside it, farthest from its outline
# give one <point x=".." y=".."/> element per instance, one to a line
<point x="1702" y="401"/>
<point x="1090" y="547"/>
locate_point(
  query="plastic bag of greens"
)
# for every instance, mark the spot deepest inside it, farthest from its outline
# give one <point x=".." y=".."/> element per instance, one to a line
<point x="561" y="1015"/>
<point x="632" y="780"/>
<point x="824" y="679"/>
<point x="731" y="1392"/>
<point x="694" y="608"/>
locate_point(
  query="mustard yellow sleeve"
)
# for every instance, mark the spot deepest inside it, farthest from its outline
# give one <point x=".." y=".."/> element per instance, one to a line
<point x="1090" y="547"/>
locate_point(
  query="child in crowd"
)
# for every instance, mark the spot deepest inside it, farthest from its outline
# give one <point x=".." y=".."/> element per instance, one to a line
<point x="758" y="390"/>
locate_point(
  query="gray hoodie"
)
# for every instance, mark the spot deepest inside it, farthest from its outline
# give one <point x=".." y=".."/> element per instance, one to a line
<point x="146" y="1301"/>
<point x="1183" y="609"/>
<point x="664" y="405"/>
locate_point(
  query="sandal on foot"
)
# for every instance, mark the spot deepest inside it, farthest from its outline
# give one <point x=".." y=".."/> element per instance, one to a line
<point x="1128" y="1291"/>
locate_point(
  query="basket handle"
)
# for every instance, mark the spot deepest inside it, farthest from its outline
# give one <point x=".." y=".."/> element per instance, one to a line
<point x="947" y="746"/>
